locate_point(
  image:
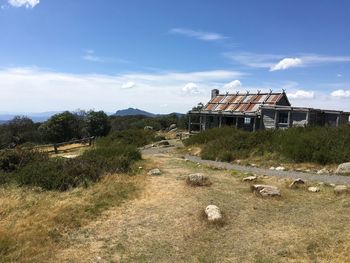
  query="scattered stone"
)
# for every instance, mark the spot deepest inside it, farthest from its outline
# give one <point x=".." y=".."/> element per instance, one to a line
<point x="265" y="190"/>
<point x="161" y="143"/>
<point x="272" y="168"/>
<point x="323" y="171"/>
<point x="148" y="128"/>
<point x="307" y="170"/>
<point x="173" y="130"/>
<point x="313" y="189"/>
<point x="333" y="185"/>
<point x="155" y="171"/>
<point x="320" y="183"/>
<point x="340" y="189"/>
<point x="252" y="178"/>
<point x="280" y="168"/>
<point x="198" y="179"/>
<point x="253" y="165"/>
<point x="343" y="168"/>
<point x="172" y="126"/>
<point x="140" y="167"/>
<point x="296" y="183"/>
<point x="213" y="213"/>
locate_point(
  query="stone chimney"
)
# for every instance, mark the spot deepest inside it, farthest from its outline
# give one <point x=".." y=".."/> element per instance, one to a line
<point x="214" y="93"/>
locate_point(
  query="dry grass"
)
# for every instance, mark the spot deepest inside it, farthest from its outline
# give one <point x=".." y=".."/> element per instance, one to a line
<point x="35" y="224"/>
<point x="165" y="222"/>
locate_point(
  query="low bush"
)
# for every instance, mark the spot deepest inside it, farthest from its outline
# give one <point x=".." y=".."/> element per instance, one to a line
<point x="322" y="145"/>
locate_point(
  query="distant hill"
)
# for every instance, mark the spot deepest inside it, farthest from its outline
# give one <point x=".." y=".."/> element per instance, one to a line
<point x="132" y="111"/>
<point x="36" y="117"/>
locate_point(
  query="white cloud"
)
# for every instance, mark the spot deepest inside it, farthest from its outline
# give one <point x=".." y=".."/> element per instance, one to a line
<point x="128" y="85"/>
<point x="340" y="93"/>
<point x="301" y="94"/>
<point x="253" y="60"/>
<point x="287" y="63"/>
<point x="235" y="84"/>
<point x="191" y="88"/>
<point x="25" y="3"/>
<point x="206" y="36"/>
<point x="37" y="90"/>
<point x="89" y="55"/>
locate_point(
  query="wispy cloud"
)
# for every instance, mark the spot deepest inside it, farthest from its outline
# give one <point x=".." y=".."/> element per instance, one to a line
<point x="191" y="88"/>
<point x="90" y="55"/>
<point x="23" y="3"/>
<point x="201" y="35"/>
<point x="276" y="62"/>
<point x="35" y="89"/>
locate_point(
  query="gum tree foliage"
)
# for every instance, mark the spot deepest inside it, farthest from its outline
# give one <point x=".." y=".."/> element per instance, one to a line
<point x="97" y="123"/>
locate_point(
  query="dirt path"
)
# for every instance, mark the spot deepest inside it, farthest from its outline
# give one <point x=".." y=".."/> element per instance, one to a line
<point x="331" y="179"/>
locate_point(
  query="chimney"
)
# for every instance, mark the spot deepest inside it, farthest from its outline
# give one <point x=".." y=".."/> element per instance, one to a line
<point x="214" y="93"/>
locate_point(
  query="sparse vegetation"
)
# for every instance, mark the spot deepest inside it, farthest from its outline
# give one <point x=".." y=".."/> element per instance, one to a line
<point x="323" y="145"/>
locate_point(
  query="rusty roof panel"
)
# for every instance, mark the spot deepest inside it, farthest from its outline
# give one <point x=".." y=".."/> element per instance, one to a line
<point x="237" y="99"/>
<point x="273" y="98"/>
<point x="227" y="99"/>
<point x="253" y="107"/>
<point x="231" y="107"/>
<point x="210" y="106"/>
<point x="248" y="98"/>
<point x="217" y="99"/>
<point x="221" y="106"/>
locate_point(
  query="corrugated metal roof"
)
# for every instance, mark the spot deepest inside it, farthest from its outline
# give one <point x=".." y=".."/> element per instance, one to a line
<point x="243" y="102"/>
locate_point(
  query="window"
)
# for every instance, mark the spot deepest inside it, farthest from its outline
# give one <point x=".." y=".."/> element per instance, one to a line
<point x="247" y="120"/>
<point x="283" y="117"/>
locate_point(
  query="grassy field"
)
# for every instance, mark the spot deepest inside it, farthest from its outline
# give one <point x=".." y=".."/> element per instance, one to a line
<point x="160" y="219"/>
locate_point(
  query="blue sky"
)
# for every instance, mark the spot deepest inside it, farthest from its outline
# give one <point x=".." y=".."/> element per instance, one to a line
<point x="166" y="56"/>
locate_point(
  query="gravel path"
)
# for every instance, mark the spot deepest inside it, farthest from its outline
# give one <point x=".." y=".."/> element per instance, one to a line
<point x="331" y="179"/>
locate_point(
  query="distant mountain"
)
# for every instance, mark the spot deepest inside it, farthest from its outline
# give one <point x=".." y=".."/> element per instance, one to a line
<point x="132" y="111"/>
<point x="36" y="117"/>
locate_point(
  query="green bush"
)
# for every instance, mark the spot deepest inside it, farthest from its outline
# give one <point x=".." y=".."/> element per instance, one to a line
<point x="322" y="145"/>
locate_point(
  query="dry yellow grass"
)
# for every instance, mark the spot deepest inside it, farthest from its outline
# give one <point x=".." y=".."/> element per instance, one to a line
<point x="165" y="222"/>
<point x="35" y="224"/>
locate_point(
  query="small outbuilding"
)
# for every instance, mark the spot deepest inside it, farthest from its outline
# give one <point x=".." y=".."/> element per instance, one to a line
<point x="256" y="111"/>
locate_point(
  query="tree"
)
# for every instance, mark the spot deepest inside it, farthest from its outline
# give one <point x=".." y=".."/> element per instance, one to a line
<point x="98" y="123"/>
<point x="62" y="127"/>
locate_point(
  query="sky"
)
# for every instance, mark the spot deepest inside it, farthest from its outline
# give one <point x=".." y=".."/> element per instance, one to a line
<point x="166" y="56"/>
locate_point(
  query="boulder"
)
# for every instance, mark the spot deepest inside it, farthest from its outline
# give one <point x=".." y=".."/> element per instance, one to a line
<point x="296" y="183"/>
<point x="148" y="128"/>
<point x="213" y="213"/>
<point x="272" y="168"/>
<point x="340" y="189"/>
<point x="198" y="179"/>
<point x="314" y="189"/>
<point x="155" y="171"/>
<point x="173" y="130"/>
<point x="343" y="168"/>
<point x="252" y="178"/>
<point x="172" y="126"/>
<point x="161" y="143"/>
<point x="265" y="190"/>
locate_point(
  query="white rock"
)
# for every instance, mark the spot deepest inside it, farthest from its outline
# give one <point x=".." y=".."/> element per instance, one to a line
<point x="155" y="171"/>
<point x="213" y="213"/>
<point x="272" y="168"/>
<point x="280" y="168"/>
<point x="313" y="189"/>
<point x="343" y="168"/>
<point x="250" y="178"/>
<point x="253" y="164"/>
<point x="266" y="190"/>
<point x="340" y="189"/>
<point x="323" y="171"/>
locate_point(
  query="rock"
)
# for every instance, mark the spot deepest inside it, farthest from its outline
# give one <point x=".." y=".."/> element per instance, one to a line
<point x="343" y="168"/>
<point x="148" y="128"/>
<point x="320" y="183"/>
<point x="161" y="143"/>
<point x="272" y="168"/>
<point x="265" y="190"/>
<point x="253" y="165"/>
<point x="213" y="213"/>
<point x="280" y="168"/>
<point x="333" y="185"/>
<point x="140" y="167"/>
<point x="340" y="189"/>
<point x="173" y="130"/>
<point x="252" y="178"/>
<point x="172" y="126"/>
<point x="155" y="171"/>
<point x="323" y="171"/>
<point x="198" y="179"/>
<point x="296" y="183"/>
<point x="313" y="189"/>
